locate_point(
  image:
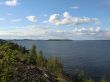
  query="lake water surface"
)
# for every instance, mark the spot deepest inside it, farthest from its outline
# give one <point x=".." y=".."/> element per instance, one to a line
<point x="91" y="56"/>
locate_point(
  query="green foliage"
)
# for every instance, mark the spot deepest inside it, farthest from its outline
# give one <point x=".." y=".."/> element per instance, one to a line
<point x="79" y="76"/>
<point x="103" y="79"/>
<point x="16" y="64"/>
<point x="54" y="66"/>
<point x="89" y="80"/>
<point x="33" y="50"/>
<point x="40" y="60"/>
<point x="33" y="55"/>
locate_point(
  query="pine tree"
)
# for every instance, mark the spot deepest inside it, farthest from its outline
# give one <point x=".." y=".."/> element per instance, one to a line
<point x="40" y="60"/>
<point x="33" y="55"/>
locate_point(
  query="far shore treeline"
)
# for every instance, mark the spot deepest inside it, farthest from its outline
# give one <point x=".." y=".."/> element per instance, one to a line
<point x="20" y="65"/>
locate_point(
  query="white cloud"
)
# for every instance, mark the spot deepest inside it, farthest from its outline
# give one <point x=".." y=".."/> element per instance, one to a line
<point x="45" y="32"/>
<point x="26" y="32"/>
<point x="54" y="19"/>
<point x="11" y="2"/>
<point x="68" y="19"/>
<point x="32" y="18"/>
<point x="89" y="30"/>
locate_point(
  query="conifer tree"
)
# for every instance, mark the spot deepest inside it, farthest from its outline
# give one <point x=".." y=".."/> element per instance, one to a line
<point x="33" y="55"/>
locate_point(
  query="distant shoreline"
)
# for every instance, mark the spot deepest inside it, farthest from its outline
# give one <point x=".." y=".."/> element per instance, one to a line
<point x="59" y="40"/>
<point x="50" y="40"/>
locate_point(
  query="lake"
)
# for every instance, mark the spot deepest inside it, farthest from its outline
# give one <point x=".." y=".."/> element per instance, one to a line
<point x="91" y="56"/>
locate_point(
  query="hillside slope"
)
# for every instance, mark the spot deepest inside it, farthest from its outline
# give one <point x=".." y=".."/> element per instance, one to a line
<point x="20" y="65"/>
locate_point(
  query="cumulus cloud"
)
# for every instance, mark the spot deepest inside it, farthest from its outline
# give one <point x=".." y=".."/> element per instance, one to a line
<point x="87" y="30"/>
<point x="68" y="19"/>
<point x="45" y="32"/>
<point x="32" y="18"/>
<point x="11" y="2"/>
<point x="30" y="32"/>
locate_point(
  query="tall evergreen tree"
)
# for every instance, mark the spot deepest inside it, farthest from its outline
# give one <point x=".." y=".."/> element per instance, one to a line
<point x="33" y="55"/>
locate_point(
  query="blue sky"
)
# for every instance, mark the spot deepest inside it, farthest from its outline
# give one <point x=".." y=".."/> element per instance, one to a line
<point x="55" y="19"/>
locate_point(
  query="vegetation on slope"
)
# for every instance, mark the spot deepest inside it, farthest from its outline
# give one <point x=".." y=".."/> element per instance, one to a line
<point x="20" y="65"/>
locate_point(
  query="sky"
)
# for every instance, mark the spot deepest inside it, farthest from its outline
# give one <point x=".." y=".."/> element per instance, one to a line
<point x="55" y="19"/>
